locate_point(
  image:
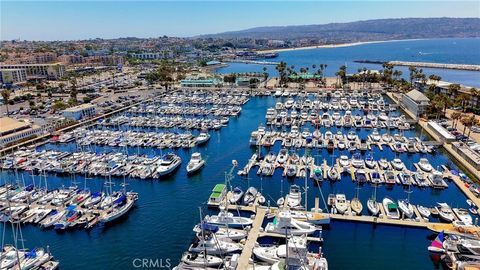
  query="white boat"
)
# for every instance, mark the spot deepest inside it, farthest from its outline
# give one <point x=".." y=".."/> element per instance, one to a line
<point x="269" y="254"/>
<point x="463" y="215"/>
<point x="225" y="218"/>
<point x="445" y="212"/>
<point x="202" y="138"/>
<point x="383" y="164"/>
<point x="237" y="194"/>
<point x="209" y="244"/>
<point x="356" y="206"/>
<point x="32" y="258"/>
<point x="425" y="165"/>
<point x="375" y="135"/>
<point x="52" y="218"/>
<point x="282" y="156"/>
<point x="373" y="207"/>
<point x="119" y="207"/>
<point x="424" y="211"/>
<point x="406" y="208"/>
<point x="168" y="164"/>
<point x="341" y="203"/>
<point x="201" y="260"/>
<point x="294" y="197"/>
<point x="333" y="174"/>
<point x="250" y="195"/>
<point x="10" y="259"/>
<point x="196" y="162"/>
<point x="391" y="208"/>
<point x="357" y="161"/>
<point x="397" y="164"/>
<point x="222" y="232"/>
<point x="280" y="201"/>
<point x="285" y="224"/>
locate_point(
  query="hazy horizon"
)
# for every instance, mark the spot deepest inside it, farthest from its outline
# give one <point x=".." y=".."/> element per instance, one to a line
<point x="70" y="20"/>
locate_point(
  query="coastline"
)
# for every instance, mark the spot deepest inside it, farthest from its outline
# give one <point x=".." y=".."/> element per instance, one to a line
<point x="329" y="46"/>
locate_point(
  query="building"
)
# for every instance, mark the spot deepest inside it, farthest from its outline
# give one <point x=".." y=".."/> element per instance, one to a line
<point x="415" y="102"/>
<point x="79" y="112"/>
<point x="152" y="55"/>
<point x="39" y="71"/>
<point x="441" y="87"/>
<point x="443" y="134"/>
<point x="12" y="75"/>
<point x="12" y="131"/>
<point x="472" y="157"/>
<point x="199" y="81"/>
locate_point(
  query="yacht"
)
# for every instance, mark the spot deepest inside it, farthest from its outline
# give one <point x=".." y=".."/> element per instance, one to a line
<point x="168" y="164"/>
<point x="375" y="135"/>
<point x="425" y="165"/>
<point x="250" y="195"/>
<point x="341" y="203"/>
<point x="406" y="208"/>
<point x="196" y="162"/>
<point x="237" y="194"/>
<point x="357" y="161"/>
<point x="285" y="224"/>
<point x="294" y="197"/>
<point x="373" y="207"/>
<point x="202" y="138"/>
<point x="282" y="156"/>
<point x="397" y="164"/>
<point x="210" y="245"/>
<point x="463" y="215"/>
<point x="225" y="218"/>
<point x="445" y="212"/>
<point x="201" y="260"/>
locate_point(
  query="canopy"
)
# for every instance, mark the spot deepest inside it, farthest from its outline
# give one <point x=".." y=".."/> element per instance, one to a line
<point x="209" y="227"/>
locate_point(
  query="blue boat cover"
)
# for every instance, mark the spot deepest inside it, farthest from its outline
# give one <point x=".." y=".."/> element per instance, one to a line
<point x="96" y="194"/>
<point x="71" y="207"/>
<point x="209" y="227"/>
<point x="31" y="254"/>
<point x="120" y="200"/>
<point x="309" y="139"/>
<point x="29" y="188"/>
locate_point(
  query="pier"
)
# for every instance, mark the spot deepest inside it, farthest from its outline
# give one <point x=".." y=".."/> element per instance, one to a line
<point x="255" y="62"/>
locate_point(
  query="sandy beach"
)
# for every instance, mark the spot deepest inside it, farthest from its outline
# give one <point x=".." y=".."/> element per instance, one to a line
<point x="326" y="46"/>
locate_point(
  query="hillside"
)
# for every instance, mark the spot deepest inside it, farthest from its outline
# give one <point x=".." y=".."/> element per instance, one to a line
<point x="383" y="29"/>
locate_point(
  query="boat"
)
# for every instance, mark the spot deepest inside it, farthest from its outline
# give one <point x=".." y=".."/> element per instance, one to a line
<point x="196" y="162"/>
<point x="406" y="208"/>
<point x="341" y="203"/>
<point x="424" y="211"/>
<point x="391" y="208"/>
<point x="373" y="207"/>
<point x="360" y="176"/>
<point x="390" y="178"/>
<point x="280" y="201"/>
<point x="119" y="207"/>
<point x="294" y="197"/>
<point x="225" y="218"/>
<point x="221" y="232"/>
<point x="357" y="161"/>
<point x="344" y="161"/>
<point x="424" y="165"/>
<point x="168" y="164"/>
<point x="285" y="224"/>
<point x="370" y="162"/>
<point x="202" y="138"/>
<point x="472" y="207"/>
<point x="269" y="254"/>
<point x="282" y="156"/>
<point x="201" y="260"/>
<point x="437" y="244"/>
<point x="237" y="194"/>
<point x="356" y="206"/>
<point x="375" y="135"/>
<point x="397" y="164"/>
<point x="250" y="195"/>
<point x="463" y="215"/>
<point x="333" y="174"/>
<point x="445" y="212"/>
<point x="210" y="245"/>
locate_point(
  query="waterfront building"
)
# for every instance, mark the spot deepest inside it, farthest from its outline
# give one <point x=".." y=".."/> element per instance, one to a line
<point x="200" y="82"/>
<point x="441" y="87"/>
<point x="443" y="134"/>
<point x="39" y="71"/>
<point x="152" y="55"/>
<point x="415" y="102"/>
<point x="12" y="75"/>
<point x="79" y="112"/>
<point x="12" y="130"/>
<point x="470" y="155"/>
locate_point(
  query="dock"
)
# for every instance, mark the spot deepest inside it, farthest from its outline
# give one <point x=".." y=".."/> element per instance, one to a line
<point x="253" y="234"/>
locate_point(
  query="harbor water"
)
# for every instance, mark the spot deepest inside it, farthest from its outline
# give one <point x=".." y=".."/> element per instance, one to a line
<point x="160" y="226"/>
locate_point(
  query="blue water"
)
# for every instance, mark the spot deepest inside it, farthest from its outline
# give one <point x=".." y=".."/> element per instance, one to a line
<point x="457" y="51"/>
<point x="160" y="227"/>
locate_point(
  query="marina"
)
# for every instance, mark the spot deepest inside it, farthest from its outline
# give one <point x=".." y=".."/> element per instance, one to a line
<point x="306" y="155"/>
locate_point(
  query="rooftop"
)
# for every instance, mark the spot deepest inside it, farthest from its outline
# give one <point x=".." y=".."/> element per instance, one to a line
<point x="79" y="107"/>
<point x="417" y="96"/>
<point x="9" y="124"/>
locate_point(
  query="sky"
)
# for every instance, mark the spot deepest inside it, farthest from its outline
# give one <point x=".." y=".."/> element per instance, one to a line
<point x="71" y="20"/>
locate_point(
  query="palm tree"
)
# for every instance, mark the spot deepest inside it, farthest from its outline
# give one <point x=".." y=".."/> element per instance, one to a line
<point x="455" y="116"/>
<point x="472" y="121"/>
<point x="6" y="98"/>
<point x="453" y="89"/>
<point x="465" y="122"/>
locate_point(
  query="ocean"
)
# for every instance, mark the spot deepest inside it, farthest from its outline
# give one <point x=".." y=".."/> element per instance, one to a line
<point x="450" y="51"/>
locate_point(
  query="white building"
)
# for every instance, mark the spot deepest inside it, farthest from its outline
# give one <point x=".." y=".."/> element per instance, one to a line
<point x="45" y="71"/>
<point x="152" y="55"/>
<point x="12" y="130"/>
<point x="79" y="112"/>
<point x="13" y="75"/>
<point x="415" y="102"/>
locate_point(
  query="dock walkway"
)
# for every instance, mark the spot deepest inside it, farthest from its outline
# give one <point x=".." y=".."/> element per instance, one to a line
<point x="253" y="234"/>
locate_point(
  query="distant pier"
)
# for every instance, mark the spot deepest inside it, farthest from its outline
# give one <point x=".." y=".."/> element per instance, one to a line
<point x="255" y="62"/>
<point x="424" y="64"/>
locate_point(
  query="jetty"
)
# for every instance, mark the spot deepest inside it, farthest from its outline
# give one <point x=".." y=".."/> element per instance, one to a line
<point x="424" y="64"/>
<point x="255" y="62"/>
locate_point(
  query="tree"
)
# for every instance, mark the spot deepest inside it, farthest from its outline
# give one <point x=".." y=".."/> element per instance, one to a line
<point x="471" y="121"/>
<point x="31" y="103"/>
<point x="281" y="67"/>
<point x="342" y="73"/>
<point x="61" y="86"/>
<point x="73" y="88"/>
<point x="6" y="99"/>
<point x="453" y="89"/>
<point x="455" y="116"/>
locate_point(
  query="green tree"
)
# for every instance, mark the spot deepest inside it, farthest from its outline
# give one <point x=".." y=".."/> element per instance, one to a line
<point x="6" y="98"/>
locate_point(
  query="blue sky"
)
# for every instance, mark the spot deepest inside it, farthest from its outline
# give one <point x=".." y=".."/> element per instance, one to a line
<point x="67" y="20"/>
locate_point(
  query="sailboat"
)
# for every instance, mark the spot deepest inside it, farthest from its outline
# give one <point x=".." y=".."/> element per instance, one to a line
<point x="372" y="204"/>
<point x="355" y="203"/>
